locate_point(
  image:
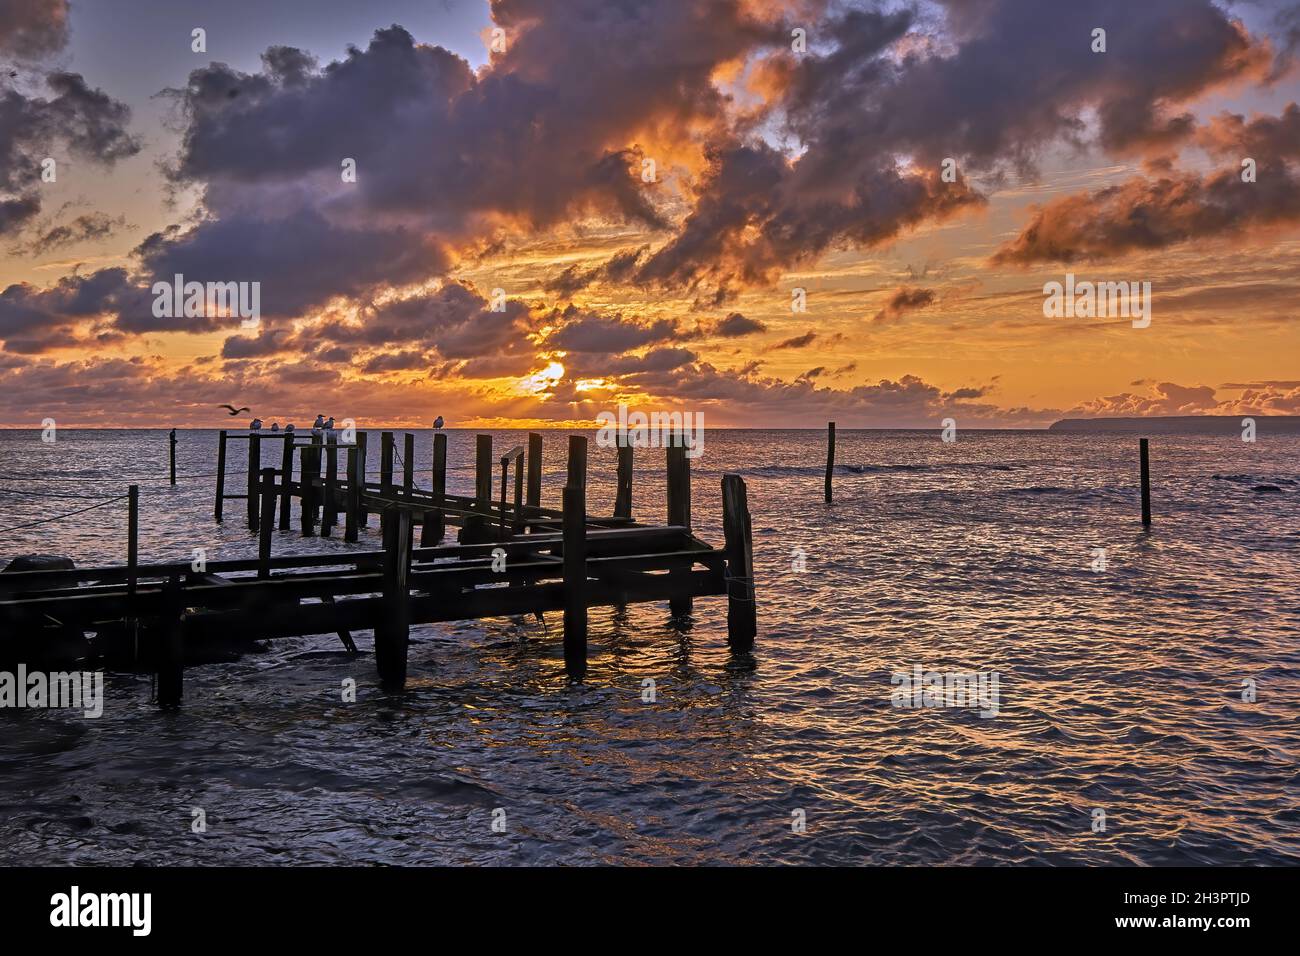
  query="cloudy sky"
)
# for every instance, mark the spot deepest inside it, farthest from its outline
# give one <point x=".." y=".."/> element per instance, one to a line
<point x="561" y="206"/>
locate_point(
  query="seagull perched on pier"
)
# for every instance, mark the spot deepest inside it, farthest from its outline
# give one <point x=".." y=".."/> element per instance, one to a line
<point x="289" y="427"/>
<point x="255" y="425"/>
<point x="275" y="426"/>
<point x="235" y="411"/>
<point x="329" y="424"/>
<point x="437" y="422"/>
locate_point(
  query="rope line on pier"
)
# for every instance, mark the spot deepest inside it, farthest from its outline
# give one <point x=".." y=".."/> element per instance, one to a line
<point x="32" y="524"/>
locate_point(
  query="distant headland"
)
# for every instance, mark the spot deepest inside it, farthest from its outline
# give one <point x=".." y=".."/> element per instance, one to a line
<point x="1182" y="424"/>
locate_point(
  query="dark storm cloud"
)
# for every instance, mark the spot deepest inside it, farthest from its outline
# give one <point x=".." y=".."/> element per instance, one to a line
<point x="594" y="332"/>
<point x="33" y="320"/>
<point x="301" y="259"/>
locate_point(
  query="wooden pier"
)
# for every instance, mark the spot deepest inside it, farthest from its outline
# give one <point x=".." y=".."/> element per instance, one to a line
<point x="514" y="557"/>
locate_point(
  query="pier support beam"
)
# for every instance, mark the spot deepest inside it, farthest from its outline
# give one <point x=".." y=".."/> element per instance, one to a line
<point x="392" y="633"/>
<point x="679" y="504"/>
<point x="267" y="528"/>
<point x="352" y="517"/>
<point x="433" y="525"/>
<point x="330" y="513"/>
<point x="623" y="494"/>
<point x="386" y="462"/>
<point x="575" y="581"/>
<point x="408" y="464"/>
<point x="533" y="498"/>
<point x="577" y="461"/>
<point x="363" y="516"/>
<point x="308" y="495"/>
<point x="169" y="647"/>
<point x="221" y="476"/>
<point x="172" y="442"/>
<point x="254" y="469"/>
<point x="742" y="614"/>
<point x="286" y="481"/>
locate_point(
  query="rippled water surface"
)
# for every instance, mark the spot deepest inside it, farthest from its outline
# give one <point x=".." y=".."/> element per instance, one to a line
<point x="1120" y="690"/>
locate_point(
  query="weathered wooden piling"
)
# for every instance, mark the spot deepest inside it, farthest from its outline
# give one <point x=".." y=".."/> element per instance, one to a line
<point x="830" y="457"/>
<point x="742" y="613"/>
<point x="1145" y="463"/>
<point x="363" y="516"/>
<point x="577" y="475"/>
<point x="308" y="494"/>
<point x="392" y="632"/>
<point x="483" y="472"/>
<point x="254" y="468"/>
<point x="267" y="530"/>
<point x="408" y="464"/>
<point x="221" y="476"/>
<point x="172" y="443"/>
<point x="623" y="492"/>
<point x="286" y="481"/>
<point x="575" y="580"/>
<point x="352" y="515"/>
<point x="386" y="462"/>
<point x="330" y="513"/>
<point x="533" y="498"/>
<point x="679" y="505"/>
<point x="432" y="526"/>
<point x="132" y="538"/>
<point x="169" y="646"/>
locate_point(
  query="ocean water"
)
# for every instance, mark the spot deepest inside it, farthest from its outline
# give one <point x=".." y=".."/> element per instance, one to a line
<point x="1119" y="690"/>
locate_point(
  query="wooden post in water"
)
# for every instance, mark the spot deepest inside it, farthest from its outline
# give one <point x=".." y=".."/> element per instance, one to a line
<point x="679" y="504"/>
<point x="517" y="526"/>
<point x="132" y="540"/>
<point x="386" y="462"/>
<point x="330" y="515"/>
<point x="483" y="473"/>
<point x="308" y="496"/>
<point x="742" y="615"/>
<point x="169" y="646"/>
<point x="352" y="518"/>
<point x="432" y="526"/>
<point x="623" y="494"/>
<point x="534" y="496"/>
<point x="575" y="581"/>
<point x="830" y="458"/>
<point x="268" y="523"/>
<point x="363" y="518"/>
<point x="392" y="631"/>
<point x="577" y="461"/>
<point x="408" y="464"/>
<point x="286" y="481"/>
<point x="1144" y="455"/>
<point x="172" y="441"/>
<point x="254" y="468"/>
<point x="221" y="476"/>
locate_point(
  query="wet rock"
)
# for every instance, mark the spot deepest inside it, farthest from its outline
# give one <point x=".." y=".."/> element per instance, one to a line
<point x="41" y="562"/>
<point x="1268" y="488"/>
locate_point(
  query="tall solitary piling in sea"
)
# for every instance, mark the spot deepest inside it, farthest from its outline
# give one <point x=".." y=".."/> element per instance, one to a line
<point x="1145" y="465"/>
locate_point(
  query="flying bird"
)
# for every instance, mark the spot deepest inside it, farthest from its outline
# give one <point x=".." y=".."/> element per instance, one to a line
<point x="233" y="410"/>
<point x="437" y="422"/>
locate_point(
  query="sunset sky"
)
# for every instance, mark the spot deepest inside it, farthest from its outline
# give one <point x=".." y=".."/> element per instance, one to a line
<point x="523" y="169"/>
